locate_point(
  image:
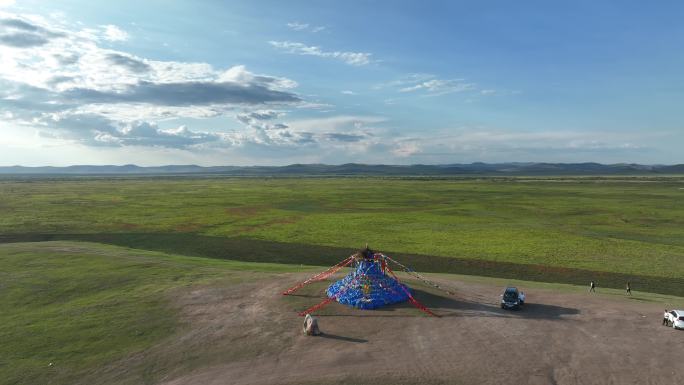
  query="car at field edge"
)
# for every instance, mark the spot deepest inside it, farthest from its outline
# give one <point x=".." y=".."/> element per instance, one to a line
<point x="512" y="298"/>
<point x="676" y="319"/>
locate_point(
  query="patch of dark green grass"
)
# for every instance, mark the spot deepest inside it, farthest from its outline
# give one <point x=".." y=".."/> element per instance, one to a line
<point x="251" y="250"/>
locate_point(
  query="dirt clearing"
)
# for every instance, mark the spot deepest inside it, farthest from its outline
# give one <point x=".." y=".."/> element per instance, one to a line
<point x="558" y="338"/>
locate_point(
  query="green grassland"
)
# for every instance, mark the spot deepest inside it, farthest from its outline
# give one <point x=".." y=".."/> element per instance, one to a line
<point x="615" y="229"/>
<point x="84" y="307"/>
<point x="80" y="306"/>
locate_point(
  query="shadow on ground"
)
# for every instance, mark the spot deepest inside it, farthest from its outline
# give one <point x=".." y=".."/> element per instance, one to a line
<point x="454" y="307"/>
<point x="443" y="306"/>
<point x="341" y="338"/>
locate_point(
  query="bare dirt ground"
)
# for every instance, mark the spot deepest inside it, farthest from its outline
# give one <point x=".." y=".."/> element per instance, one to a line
<point x="253" y="336"/>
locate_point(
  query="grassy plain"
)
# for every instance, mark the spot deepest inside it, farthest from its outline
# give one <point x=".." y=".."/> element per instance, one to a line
<point x="81" y="306"/>
<point x="617" y="228"/>
<point x="86" y="313"/>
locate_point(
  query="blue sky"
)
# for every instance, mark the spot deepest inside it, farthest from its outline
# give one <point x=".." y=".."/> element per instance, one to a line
<point x="404" y="82"/>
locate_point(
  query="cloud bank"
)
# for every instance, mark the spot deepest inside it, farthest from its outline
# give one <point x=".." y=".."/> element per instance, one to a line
<point x="62" y="80"/>
<point x="75" y="84"/>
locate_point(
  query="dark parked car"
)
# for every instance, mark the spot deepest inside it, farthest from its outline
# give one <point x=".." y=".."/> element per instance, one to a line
<point x="512" y="298"/>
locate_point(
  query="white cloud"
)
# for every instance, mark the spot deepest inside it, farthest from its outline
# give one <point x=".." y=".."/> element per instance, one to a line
<point x="239" y="74"/>
<point x="6" y="3"/>
<point x="73" y="90"/>
<point x="410" y="79"/>
<point x="126" y="112"/>
<point x="405" y="149"/>
<point x="114" y="33"/>
<point x="97" y="130"/>
<point x="440" y="86"/>
<point x="297" y="26"/>
<point x="350" y="132"/>
<point x="476" y="143"/>
<point x="352" y="58"/>
<point x="431" y="85"/>
<point x="60" y="80"/>
<point x="314" y="106"/>
<point x="57" y="77"/>
<point x="68" y="59"/>
<point x="259" y="115"/>
<point x="336" y="123"/>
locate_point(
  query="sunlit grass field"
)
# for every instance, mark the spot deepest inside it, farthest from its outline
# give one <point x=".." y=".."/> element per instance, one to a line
<point x="627" y="226"/>
<point x="69" y="307"/>
<point x="87" y="313"/>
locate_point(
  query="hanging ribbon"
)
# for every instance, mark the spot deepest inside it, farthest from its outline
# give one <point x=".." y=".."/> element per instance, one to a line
<point x="411" y="299"/>
<point x="420" y="277"/>
<point x="320" y="276"/>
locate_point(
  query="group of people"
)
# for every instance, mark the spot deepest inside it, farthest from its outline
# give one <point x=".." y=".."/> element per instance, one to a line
<point x="628" y="288"/>
<point x="592" y="287"/>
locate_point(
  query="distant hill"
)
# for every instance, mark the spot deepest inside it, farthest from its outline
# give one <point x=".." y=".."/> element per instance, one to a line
<point x="473" y="169"/>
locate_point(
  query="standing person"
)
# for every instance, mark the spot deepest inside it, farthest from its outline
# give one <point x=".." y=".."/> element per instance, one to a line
<point x="629" y="288"/>
<point x="592" y="287"/>
<point x="666" y="317"/>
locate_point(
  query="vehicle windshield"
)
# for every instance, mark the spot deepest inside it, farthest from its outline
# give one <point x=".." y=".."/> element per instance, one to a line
<point x="510" y="294"/>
